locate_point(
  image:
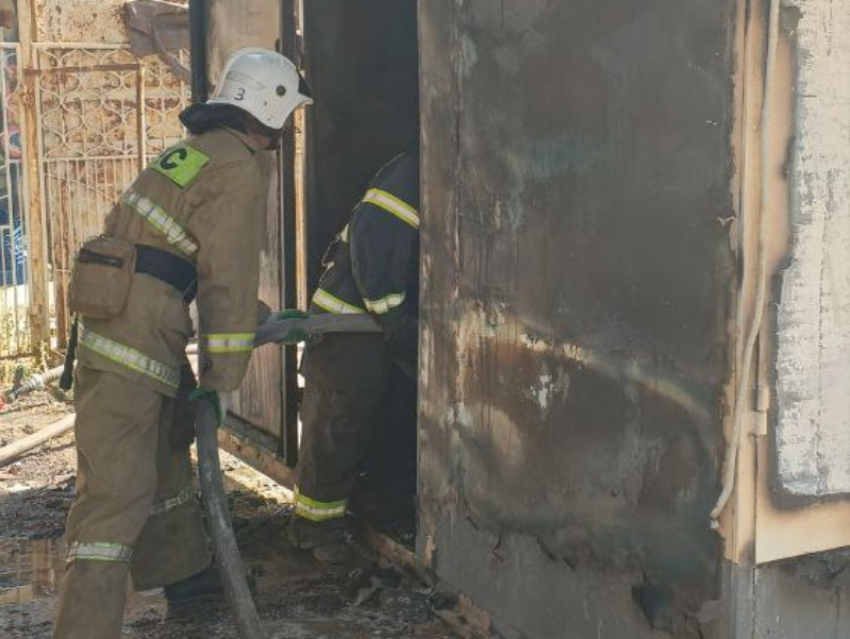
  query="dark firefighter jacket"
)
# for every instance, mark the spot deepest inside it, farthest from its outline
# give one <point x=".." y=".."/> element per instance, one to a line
<point x="373" y="264"/>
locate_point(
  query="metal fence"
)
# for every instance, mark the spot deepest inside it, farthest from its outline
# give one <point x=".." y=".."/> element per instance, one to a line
<point x="15" y="336"/>
<point x="100" y="115"/>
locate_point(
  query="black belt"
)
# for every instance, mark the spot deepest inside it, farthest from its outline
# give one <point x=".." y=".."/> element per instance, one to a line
<point x="169" y="268"/>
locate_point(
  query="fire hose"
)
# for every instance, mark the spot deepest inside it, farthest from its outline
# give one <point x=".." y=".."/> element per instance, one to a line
<point x="33" y="383"/>
<point x="209" y="468"/>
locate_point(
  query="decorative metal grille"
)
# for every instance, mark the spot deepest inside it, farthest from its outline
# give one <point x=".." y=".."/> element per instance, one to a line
<point x="94" y="138"/>
<point x="101" y="114"/>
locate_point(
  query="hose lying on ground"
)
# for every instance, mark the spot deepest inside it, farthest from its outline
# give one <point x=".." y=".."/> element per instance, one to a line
<point x="34" y="383"/>
<point x="12" y="452"/>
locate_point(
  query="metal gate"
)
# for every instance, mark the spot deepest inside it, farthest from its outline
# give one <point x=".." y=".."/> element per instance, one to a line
<point x="15" y="336"/>
<point x="77" y="126"/>
<point x="101" y="114"/>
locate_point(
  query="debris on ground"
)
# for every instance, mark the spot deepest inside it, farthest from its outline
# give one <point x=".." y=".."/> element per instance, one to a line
<point x="297" y="597"/>
<point x="36" y="490"/>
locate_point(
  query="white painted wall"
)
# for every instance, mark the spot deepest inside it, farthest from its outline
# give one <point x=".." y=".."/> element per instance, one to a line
<point x="813" y="315"/>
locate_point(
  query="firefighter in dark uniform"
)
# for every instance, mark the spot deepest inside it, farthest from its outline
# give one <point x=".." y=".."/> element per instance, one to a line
<point x="355" y="383"/>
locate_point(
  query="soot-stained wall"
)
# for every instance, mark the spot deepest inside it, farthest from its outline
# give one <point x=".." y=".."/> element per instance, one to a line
<point x="576" y="278"/>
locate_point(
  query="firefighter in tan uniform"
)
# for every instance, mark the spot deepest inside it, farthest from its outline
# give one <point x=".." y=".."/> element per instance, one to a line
<point x="191" y="224"/>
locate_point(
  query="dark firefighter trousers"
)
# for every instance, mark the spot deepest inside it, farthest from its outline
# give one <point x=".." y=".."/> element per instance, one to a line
<point x="358" y="417"/>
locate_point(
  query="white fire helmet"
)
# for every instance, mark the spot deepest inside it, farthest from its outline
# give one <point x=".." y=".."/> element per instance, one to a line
<point x="263" y="83"/>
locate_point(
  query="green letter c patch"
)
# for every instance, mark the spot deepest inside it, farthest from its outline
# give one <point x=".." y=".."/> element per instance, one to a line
<point x="180" y="164"/>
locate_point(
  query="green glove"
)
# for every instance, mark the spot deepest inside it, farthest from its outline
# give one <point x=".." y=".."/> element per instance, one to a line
<point x="218" y="401"/>
<point x="294" y="335"/>
<point x="290" y="313"/>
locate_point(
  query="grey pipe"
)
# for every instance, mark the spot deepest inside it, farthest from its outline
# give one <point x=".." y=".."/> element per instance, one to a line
<point x="18" y="449"/>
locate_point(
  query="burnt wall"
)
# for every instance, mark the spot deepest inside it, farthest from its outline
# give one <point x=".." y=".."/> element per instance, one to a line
<point x="576" y="166"/>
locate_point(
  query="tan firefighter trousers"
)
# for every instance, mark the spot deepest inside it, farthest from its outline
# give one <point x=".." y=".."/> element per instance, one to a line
<point x="136" y="511"/>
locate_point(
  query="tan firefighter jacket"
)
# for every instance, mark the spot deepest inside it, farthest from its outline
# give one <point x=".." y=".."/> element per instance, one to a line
<point x="203" y="200"/>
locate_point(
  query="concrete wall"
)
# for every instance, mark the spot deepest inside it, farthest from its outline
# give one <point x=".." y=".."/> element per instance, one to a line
<point x="809" y="458"/>
<point x="813" y="296"/>
<point x="79" y="21"/>
<point x="576" y="278"/>
<point x="805" y="598"/>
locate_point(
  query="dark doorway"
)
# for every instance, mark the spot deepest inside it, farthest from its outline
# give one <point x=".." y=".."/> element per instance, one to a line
<point x="361" y="61"/>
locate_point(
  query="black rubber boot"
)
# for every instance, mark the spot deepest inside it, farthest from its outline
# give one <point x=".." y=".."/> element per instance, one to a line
<point x="196" y="594"/>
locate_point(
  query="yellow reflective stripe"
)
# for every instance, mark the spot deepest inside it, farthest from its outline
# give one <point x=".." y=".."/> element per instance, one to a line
<point x="386" y="304"/>
<point x="130" y="358"/>
<point x="228" y="342"/>
<point x="99" y="551"/>
<point x="343" y="235"/>
<point x="318" y="510"/>
<point x="333" y="304"/>
<point x="392" y="204"/>
<point x="161" y="221"/>
<point x="183" y="497"/>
